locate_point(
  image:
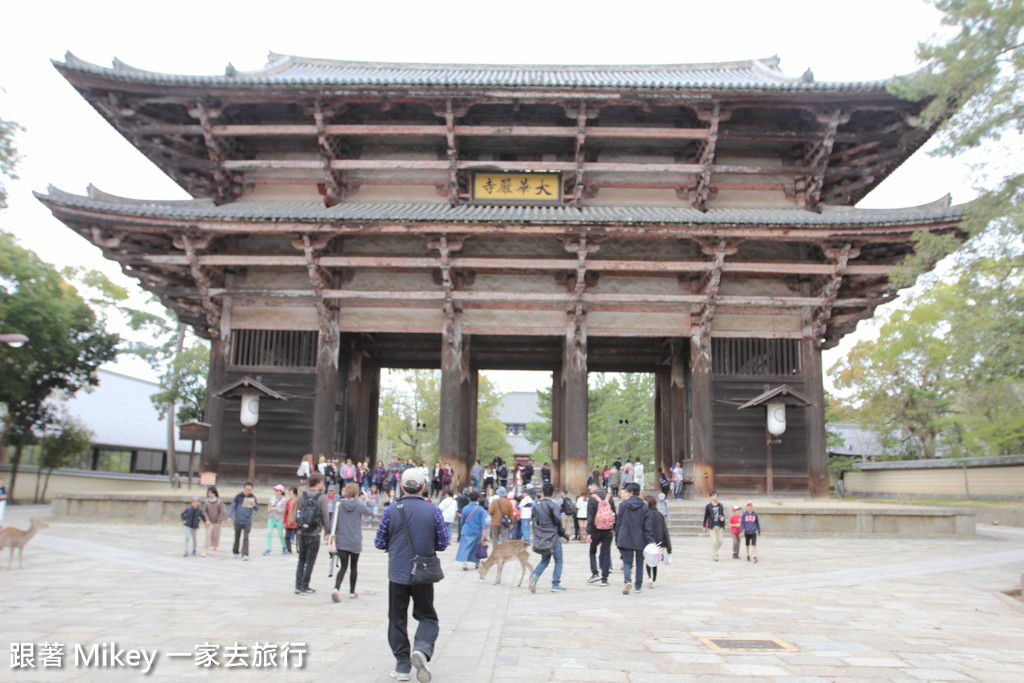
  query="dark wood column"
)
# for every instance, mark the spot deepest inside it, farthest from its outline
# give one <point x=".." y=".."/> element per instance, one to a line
<point x="703" y="418"/>
<point x="573" y="455"/>
<point x="662" y="450"/>
<point x="355" y="404"/>
<point x="213" y="414"/>
<point x="372" y="414"/>
<point x="817" y="455"/>
<point x="678" y="417"/>
<point x="469" y="392"/>
<point x="557" y="420"/>
<point x="326" y="394"/>
<point x="455" y="391"/>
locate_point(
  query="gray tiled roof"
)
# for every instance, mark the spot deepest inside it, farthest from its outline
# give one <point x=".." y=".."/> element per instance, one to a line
<point x="315" y="211"/>
<point x="285" y="70"/>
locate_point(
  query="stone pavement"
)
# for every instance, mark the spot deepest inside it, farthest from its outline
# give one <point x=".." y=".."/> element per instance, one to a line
<point x="847" y="608"/>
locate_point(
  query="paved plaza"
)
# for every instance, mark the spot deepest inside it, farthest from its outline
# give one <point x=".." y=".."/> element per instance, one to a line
<point x="844" y="608"/>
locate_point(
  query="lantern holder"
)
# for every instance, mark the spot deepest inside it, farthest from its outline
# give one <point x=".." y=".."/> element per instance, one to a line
<point x="773" y="399"/>
<point x="249" y="391"/>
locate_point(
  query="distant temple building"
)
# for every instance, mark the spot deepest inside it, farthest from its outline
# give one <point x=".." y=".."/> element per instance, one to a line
<point x="695" y="221"/>
<point x="516" y="410"/>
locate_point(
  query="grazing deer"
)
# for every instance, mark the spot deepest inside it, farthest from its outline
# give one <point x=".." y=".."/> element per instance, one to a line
<point x="502" y="553"/>
<point x="16" y="538"/>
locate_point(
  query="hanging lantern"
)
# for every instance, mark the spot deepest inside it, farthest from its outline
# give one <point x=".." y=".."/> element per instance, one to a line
<point x="250" y="410"/>
<point x="776" y="418"/>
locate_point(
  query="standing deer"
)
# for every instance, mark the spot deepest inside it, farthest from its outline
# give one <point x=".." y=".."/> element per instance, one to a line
<point x="502" y="553"/>
<point x="16" y="538"/>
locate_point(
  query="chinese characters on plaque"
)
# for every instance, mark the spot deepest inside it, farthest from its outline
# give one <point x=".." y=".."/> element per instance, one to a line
<point x="517" y="188"/>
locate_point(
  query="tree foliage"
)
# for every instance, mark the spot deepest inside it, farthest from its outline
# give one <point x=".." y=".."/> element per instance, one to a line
<point x="409" y="421"/>
<point x="946" y="375"/>
<point x="66" y="344"/>
<point x="64" y="444"/>
<point x="184" y="383"/>
<point x="972" y="77"/>
<point x="620" y="416"/>
<point x="8" y="157"/>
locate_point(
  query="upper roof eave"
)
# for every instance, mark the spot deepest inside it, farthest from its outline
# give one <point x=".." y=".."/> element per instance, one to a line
<point x="98" y="202"/>
<point x="756" y="75"/>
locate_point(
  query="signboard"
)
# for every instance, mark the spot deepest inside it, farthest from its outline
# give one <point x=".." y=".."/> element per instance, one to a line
<point x="539" y="187"/>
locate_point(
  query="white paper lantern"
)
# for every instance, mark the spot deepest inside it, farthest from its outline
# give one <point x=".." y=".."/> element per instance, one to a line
<point x="250" y="411"/>
<point x="776" y="418"/>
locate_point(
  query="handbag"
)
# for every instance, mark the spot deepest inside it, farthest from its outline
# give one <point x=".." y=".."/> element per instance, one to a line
<point x="480" y="551"/>
<point x="424" y="569"/>
<point x="544" y="543"/>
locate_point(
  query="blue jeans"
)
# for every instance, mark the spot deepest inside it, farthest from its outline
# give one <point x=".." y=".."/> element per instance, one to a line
<point x="545" y="559"/>
<point x="628" y="557"/>
<point x="524" y="525"/>
<point x="677" y="491"/>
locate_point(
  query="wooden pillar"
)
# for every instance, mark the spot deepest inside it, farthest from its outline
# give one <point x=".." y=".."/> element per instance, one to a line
<point x="213" y="414"/>
<point x="663" y="421"/>
<point x="372" y="415"/>
<point x="573" y="455"/>
<point x="678" y="416"/>
<point x="355" y="404"/>
<point x="326" y="393"/>
<point x="454" y="414"/>
<point x="703" y="438"/>
<point x="557" y="422"/>
<point x="469" y="393"/>
<point x="817" y="455"/>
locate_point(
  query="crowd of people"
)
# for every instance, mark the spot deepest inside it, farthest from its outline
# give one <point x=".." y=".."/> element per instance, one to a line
<point x="415" y="515"/>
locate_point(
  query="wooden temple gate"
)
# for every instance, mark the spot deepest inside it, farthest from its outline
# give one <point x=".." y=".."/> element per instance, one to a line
<point x="692" y="221"/>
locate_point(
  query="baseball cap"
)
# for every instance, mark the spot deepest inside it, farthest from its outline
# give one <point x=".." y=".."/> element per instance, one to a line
<point x="750" y="502"/>
<point x="412" y="477"/>
<point x="735" y="507"/>
<point x="279" y="488"/>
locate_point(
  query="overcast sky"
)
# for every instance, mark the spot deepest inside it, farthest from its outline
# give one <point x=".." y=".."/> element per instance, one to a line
<point x="67" y="144"/>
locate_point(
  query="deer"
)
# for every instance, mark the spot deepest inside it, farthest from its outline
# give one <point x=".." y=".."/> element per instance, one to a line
<point x="502" y="553"/>
<point x="16" y="538"/>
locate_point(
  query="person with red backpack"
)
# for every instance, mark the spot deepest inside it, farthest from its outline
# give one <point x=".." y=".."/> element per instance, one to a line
<point x="600" y="522"/>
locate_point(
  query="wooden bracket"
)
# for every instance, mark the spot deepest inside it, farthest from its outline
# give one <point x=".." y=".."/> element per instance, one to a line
<point x="707" y="160"/>
<point x="227" y="184"/>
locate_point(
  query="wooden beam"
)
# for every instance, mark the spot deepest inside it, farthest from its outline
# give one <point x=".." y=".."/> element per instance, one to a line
<point x="819" y="157"/>
<point x="707" y="159"/>
<point x="203" y="283"/>
<point x="334" y="182"/>
<point x="228" y="186"/>
<point x="581" y="137"/>
<point x="453" y="154"/>
<point x="841" y="256"/>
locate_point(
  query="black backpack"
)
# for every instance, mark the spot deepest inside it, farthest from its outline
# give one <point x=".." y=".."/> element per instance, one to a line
<point x="503" y="472"/>
<point x="568" y="507"/>
<point x="308" y="518"/>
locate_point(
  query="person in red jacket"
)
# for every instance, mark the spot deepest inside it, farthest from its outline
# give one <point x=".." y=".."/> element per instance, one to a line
<point x="289" y="520"/>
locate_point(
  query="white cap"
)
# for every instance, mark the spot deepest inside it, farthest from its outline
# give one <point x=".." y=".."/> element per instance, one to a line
<point x="412" y="477"/>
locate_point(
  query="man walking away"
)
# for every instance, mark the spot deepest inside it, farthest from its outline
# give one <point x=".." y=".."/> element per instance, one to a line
<point x="632" y="532"/>
<point x="476" y="475"/>
<point x="429" y="535"/>
<point x="241" y="511"/>
<point x="600" y="523"/>
<point x="311" y="520"/>
<point x="547" y="523"/>
<point x="714" y="523"/>
<point x="502" y="516"/>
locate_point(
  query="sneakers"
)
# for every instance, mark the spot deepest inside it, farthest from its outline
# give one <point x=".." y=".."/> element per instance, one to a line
<point x="558" y="589"/>
<point x="400" y="675"/>
<point x="533" y="583"/>
<point x="204" y="555"/>
<point x="419" y="661"/>
<point x="651" y="584"/>
<point x="186" y="554"/>
<point x="335" y="597"/>
<point x="715" y="558"/>
<point x="748" y="558"/>
<point x="629" y="587"/>
<point x="604" y="583"/>
<point x="638" y="589"/>
<point x="305" y="591"/>
<point x="214" y="551"/>
<point x="755" y="560"/>
<point x="194" y="552"/>
<point x="245" y="557"/>
<point x="594" y="578"/>
<point x="266" y="553"/>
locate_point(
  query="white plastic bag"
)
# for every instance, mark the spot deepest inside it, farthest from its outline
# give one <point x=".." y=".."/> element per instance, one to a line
<point x="652" y="555"/>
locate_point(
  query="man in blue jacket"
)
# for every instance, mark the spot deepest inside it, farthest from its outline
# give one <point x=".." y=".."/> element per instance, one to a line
<point x="632" y="532"/>
<point x="429" y="534"/>
<point x="240" y="512"/>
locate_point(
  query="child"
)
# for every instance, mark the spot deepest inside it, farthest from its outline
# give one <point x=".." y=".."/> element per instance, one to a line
<point x="289" y="520"/>
<point x="192" y="516"/>
<point x="659" y="529"/>
<point x="751" y="529"/>
<point x="734" y="527"/>
<point x="213" y="515"/>
<point x="275" y="518"/>
<point x="373" y="498"/>
<point x="663" y="507"/>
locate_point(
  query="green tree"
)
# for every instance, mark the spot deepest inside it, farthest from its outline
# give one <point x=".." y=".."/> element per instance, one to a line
<point x="184" y="383"/>
<point x="8" y="157"/>
<point x="538" y="432"/>
<point x="972" y="79"/>
<point x="490" y="431"/>
<point x="66" y="443"/>
<point x="66" y="343"/>
<point x="946" y="376"/>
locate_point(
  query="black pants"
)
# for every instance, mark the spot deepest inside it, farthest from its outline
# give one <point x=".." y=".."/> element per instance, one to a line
<point x="398" y="619"/>
<point x="308" y="546"/>
<point x="602" y="538"/>
<point x="576" y="527"/>
<point x="242" y="533"/>
<point x="343" y="557"/>
<point x="289" y="538"/>
<point x="652" y="573"/>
